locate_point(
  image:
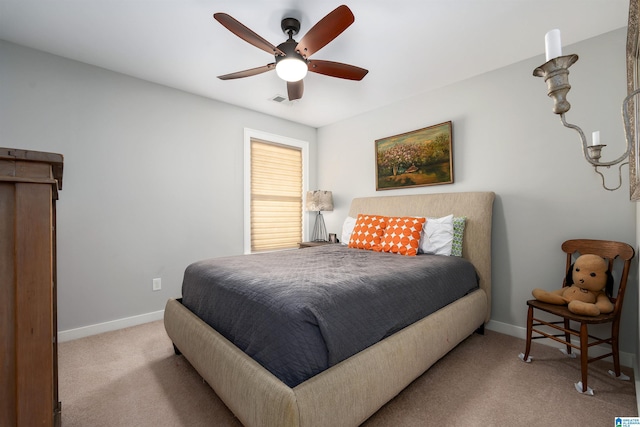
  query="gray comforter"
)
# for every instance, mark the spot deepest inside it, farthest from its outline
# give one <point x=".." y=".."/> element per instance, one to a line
<point x="300" y="312"/>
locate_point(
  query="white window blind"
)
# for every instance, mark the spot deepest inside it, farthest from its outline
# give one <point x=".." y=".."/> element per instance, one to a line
<point x="276" y="196"/>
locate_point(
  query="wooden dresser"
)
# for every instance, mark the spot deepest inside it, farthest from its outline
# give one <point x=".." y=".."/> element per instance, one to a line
<point x="29" y="184"/>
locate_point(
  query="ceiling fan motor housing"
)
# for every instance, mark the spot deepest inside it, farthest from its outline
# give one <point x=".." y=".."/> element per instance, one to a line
<point x="289" y="48"/>
<point x="296" y="65"/>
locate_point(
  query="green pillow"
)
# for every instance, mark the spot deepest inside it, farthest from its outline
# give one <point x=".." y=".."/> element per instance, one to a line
<point x="458" y="232"/>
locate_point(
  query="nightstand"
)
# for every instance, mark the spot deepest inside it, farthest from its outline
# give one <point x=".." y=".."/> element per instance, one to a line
<point x="303" y="245"/>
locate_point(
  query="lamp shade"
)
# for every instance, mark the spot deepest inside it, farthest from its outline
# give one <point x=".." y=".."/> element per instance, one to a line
<point x="319" y="201"/>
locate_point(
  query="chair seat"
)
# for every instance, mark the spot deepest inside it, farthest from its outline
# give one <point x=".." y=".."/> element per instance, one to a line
<point x="563" y="311"/>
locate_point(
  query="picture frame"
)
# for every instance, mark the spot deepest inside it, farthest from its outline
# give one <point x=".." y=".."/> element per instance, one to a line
<point x="415" y="159"/>
<point x="633" y="83"/>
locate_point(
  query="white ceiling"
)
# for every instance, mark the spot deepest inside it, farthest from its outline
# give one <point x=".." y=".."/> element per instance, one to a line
<point x="408" y="46"/>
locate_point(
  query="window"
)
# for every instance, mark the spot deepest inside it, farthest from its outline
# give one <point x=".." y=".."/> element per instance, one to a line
<point x="275" y="169"/>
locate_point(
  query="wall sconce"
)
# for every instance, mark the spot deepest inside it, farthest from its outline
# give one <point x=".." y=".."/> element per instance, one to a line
<point x="318" y="201"/>
<point x="556" y="73"/>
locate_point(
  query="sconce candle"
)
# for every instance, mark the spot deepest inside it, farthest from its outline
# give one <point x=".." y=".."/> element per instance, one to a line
<point x="552" y="44"/>
<point x="595" y="138"/>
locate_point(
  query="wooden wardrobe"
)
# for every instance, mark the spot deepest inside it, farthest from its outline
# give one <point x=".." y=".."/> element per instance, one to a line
<point x="29" y="184"/>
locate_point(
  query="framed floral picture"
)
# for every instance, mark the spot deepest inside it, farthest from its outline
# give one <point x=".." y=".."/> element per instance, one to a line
<point x="414" y="159"/>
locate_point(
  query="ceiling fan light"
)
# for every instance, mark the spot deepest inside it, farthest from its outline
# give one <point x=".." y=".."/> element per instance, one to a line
<point x="291" y="69"/>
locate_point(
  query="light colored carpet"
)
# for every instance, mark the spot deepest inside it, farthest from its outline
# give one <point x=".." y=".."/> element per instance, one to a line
<point x="131" y="378"/>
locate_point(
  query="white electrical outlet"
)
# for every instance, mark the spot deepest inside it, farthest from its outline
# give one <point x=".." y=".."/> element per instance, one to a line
<point x="157" y="284"/>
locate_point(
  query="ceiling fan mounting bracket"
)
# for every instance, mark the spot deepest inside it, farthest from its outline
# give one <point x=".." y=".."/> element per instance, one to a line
<point x="290" y="26"/>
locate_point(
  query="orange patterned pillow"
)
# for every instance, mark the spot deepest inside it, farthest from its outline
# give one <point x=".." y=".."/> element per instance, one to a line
<point x="402" y="235"/>
<point x="367" y="232"/>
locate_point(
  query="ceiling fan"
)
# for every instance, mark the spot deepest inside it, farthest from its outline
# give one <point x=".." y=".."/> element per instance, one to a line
<point x="292" y="58"/>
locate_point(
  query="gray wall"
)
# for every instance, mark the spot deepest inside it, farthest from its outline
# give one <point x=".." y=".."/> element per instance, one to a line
<point x="507" y="140"/>
<point x="153" y="178"/>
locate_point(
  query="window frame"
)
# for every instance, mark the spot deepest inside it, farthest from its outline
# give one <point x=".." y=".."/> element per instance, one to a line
<point x="250" y="134"/>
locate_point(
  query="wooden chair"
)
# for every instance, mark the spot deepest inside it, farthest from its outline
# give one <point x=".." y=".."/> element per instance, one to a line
<point x="620" y="253"/>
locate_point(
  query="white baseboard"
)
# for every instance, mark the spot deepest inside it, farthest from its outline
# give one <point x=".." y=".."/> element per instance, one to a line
<point x="626" y="359"/>
<point x="114" y="325"/>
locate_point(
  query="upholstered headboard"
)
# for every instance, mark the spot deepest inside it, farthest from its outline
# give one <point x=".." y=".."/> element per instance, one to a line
<point x="477" y="207"/>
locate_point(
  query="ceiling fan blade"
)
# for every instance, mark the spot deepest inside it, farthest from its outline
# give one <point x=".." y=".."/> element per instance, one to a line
<point x="249" y="72"/>
<point x="337" y="69"/>
<point x="327" y="29"/>
<point x="295" y="90"/>
<point x="246" y="34"/>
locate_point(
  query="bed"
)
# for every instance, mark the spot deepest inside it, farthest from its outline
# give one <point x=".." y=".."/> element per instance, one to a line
<point x="349" y="392"/>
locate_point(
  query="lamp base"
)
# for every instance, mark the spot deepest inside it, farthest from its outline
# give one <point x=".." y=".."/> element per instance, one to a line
<point x="319" y="230"/>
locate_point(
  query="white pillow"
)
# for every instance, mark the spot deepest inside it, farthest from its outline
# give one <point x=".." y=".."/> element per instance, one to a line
<point x="437" y="236"/>
<point x="347" y="229"/>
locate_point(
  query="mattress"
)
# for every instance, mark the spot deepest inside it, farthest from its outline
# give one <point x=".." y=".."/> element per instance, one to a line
<point x="300" y="312"/>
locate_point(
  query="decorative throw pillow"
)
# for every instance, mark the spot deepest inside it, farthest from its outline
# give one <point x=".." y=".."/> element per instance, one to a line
<point x="347" y="229"/>
<point x="458" y="233"/>
<point x="437" y="237"/>
<point x="402" y="235"/>
<point x="367" y="232"/>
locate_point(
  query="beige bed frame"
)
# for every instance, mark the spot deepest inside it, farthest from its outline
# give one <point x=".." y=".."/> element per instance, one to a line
<point x="351" y="391"/>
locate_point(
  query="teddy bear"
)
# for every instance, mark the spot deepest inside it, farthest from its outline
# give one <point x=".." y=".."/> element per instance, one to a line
<point x="584" y="291"/>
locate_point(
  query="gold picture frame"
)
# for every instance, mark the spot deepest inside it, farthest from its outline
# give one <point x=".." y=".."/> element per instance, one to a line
<point x="414" y="159"/>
